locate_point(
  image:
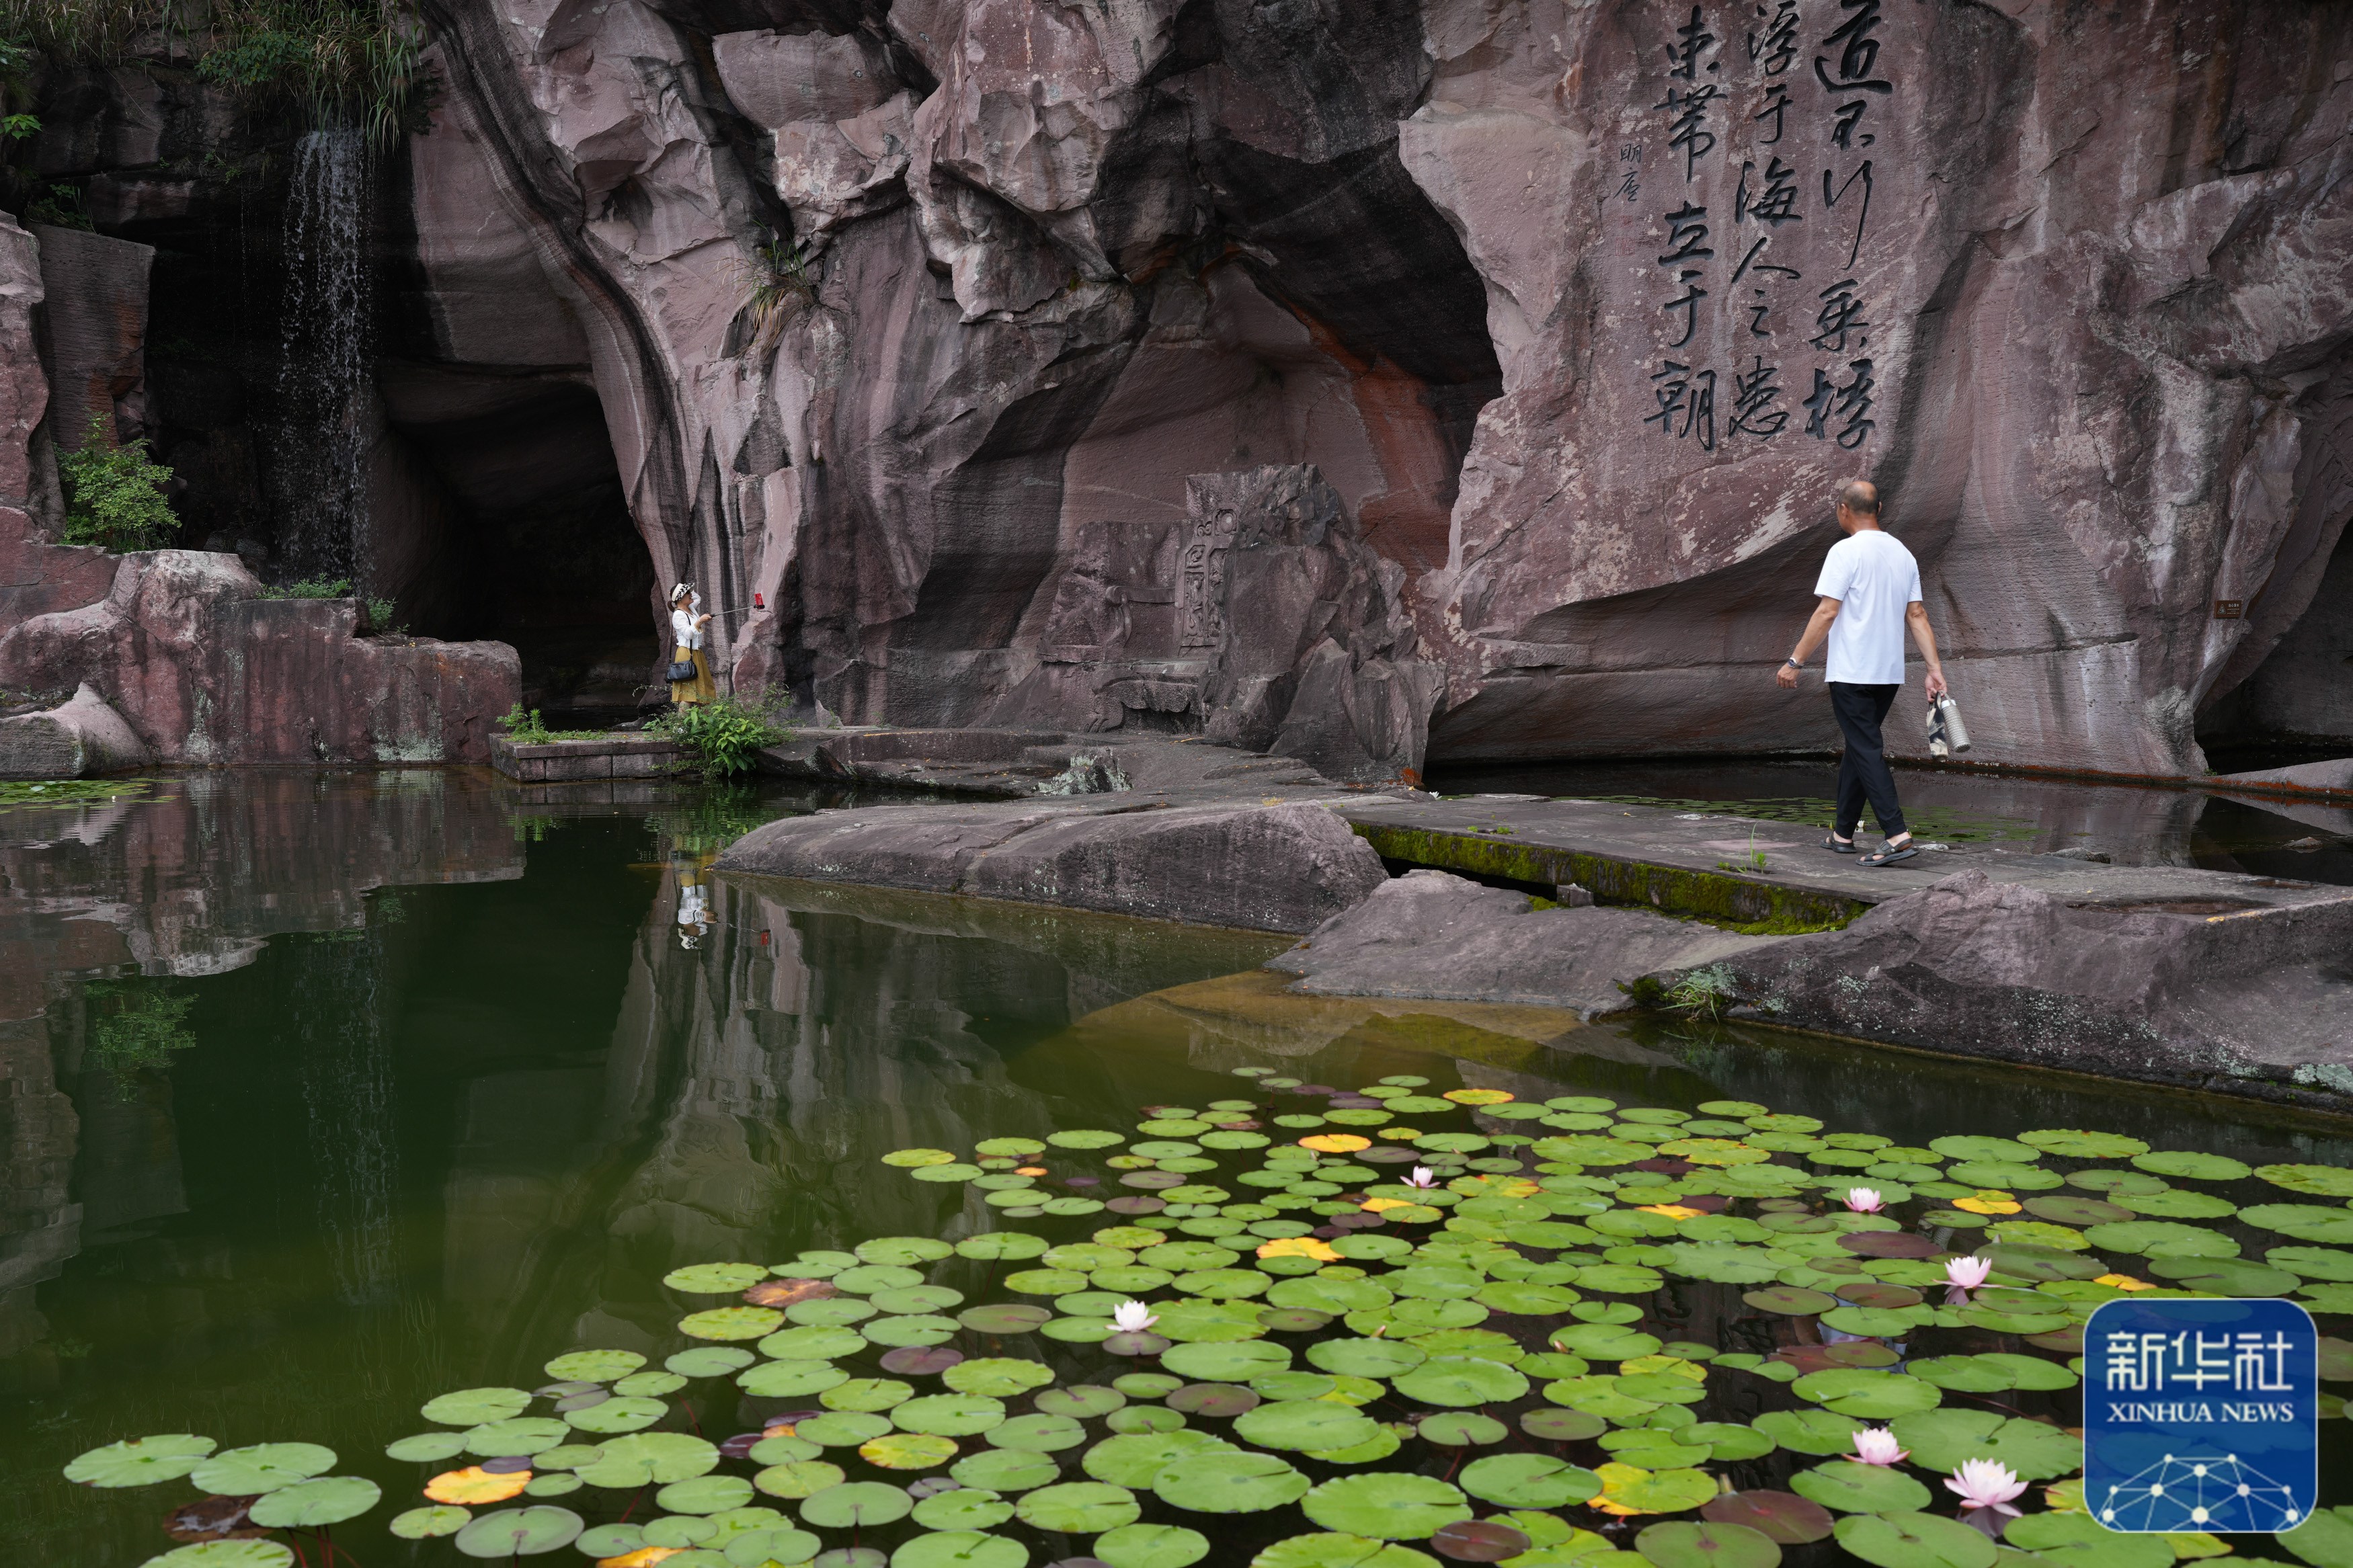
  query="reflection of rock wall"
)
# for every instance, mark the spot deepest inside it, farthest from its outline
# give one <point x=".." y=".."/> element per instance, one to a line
<point x="2067" y="281"/>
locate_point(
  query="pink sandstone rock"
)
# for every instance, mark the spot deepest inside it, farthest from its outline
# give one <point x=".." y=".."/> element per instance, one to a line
<point x="207" y="670"/>
<point x="2067" y="282"/>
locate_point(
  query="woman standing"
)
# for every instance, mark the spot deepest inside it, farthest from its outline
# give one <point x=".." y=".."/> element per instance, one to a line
<point x="686" y="622"/>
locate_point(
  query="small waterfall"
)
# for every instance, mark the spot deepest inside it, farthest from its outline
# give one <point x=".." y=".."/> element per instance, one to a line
<point x="323" y="396"/>
<point x="336" y="1010"/>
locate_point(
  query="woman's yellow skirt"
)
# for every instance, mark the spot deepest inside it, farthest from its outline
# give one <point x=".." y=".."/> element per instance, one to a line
<point x="700" y="688"/>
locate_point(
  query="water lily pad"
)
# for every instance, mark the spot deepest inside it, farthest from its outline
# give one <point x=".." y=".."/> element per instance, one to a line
<point x="1632" y="1489"/>
<point x="1006" y="1471"/>
<point x="2306" y="1222"/>
<point x="2224" y="1276"/>
<point x="650" y="1384"/>
<point x="1340" y="1550"/>
<point x="1782" y="1517"/>
<point x="1789" y="1300"/>
<point x="1556" y="1426"/>
<point x="425" y="1447"/>
<point x="1238" y="1361"/>
<point x="262" y="1467"/>
<point x="796" y="1479"/>
<point x="1386" y="1506"/>
<point x="902" y="1251"/>
<point x="757" y="1548"/>
<point x="1080" y="1507"/>
<point x="1848" y="1486"/>
<point x="2187" y="1164"/>
<point x="2177" y="1202"/>
<point x="998" y="1377"/>
<point x="705" y="1495"/>
<point x="962" y="1508"/>
<point x="908" y="1451"/>
<point x="2320" y="1181"/>
<point x="1447" y="1429"/>
<point x="708" y="1361"/>
<point x="238" y="1553"/>
<point x="1085" y="1138"/>
<point x="516" y="1436"/>
<point x="2075" y="1539"/>
<point x="650" y="1459"/>
<point x="627" y="1414"/>
<point x="1036" y="1434"/>
<point x="306" y="1505"/>
<point x="856" y="1505"/>
<point x="1002" y="1245"/>
<point x="1682" y="1544"/>
<point x="1914" y="1540"/>
<point x="1971" y="1147"/>
<point x="791" y="1379"/>
<point x="1874" y="1395"/>
<point x="1227" y="1480"/>
<point x="428" y="1523"/>
<point x="957" y="1548"/>
<point x="1605" y="1341"/>
<point x="2075" y="1144"/>
<point x="2313" y="1262"/>
<point x="142" y="1461"/>
<point x="1459" y="1381"/>
<point x="1529" y="1480"/>
<point x="472" y="1406"/>
<point x="730" y="1324"/>
<point x="519" y="1532"/>
<point x="2161" y="1238"/>
<point x="2078" y="1211"/>
<point x="1151" y="1546"/>
<point x="1944" y="1439"/>
<point x="1305" y="1425"/>
<point x="1810" y="1431"/>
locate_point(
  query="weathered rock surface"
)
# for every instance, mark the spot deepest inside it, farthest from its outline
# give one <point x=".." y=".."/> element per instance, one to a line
<point x="2249" y="1001"/>
<point x="1277" y="867"/>
<point x="80" y="737"/>
<point x="2068" y="282"/>
<point x="1431" y="935"/>
<point x="207" y="670"/>
<point x="95" y="341"/>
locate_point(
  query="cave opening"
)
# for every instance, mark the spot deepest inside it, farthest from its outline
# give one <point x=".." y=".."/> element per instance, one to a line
<point x="499" y="513"/>
<point x="2296" y="706"/>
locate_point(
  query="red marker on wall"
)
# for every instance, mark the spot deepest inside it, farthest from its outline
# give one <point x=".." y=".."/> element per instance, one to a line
<point x="759" y="602"/>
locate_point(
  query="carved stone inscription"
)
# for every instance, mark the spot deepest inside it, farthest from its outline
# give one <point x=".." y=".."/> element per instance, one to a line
<point x="1201" y="579"/>
<point x="1770" y="117"/>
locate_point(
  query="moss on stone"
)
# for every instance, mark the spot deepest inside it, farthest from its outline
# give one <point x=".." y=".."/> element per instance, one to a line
<point x="1735" y="902"/>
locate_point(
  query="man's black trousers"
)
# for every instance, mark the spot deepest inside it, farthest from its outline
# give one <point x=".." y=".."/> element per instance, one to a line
<point x="1863" y="772"/>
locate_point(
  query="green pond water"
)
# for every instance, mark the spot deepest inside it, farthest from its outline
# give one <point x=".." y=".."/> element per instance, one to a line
<point x="327" y="1093"/>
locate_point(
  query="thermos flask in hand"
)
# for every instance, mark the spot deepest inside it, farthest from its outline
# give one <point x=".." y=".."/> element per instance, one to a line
<point x="1947" y="734"/>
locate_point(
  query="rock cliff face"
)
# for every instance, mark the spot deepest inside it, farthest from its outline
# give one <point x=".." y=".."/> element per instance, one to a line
<point x="921" y="328"/>
<point x="1581" y="311"/>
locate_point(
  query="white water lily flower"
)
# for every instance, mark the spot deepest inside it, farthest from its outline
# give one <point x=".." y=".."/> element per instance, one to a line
<point x="1877" y="1445"/>
<point x="1133" y="1317"/>
<point x="1966" y="1273"/>
<point x="1986" y="1483"/>
<point x="1423" y="1176"/>
<point x="1864" y="1199"/>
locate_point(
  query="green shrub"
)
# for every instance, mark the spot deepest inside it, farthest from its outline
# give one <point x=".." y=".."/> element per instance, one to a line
<point x="135" y="1026"/>
<point x="114" y="495"/>
<point x="313" y="588"/>
<point x="530" y="730"/>
<point x="720" y="738"/>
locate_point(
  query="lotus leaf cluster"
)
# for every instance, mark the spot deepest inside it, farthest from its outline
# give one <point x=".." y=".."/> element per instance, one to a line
<point x="1377" y="1327"/>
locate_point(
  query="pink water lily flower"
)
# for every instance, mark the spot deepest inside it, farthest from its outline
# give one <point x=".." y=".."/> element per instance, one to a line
<point x="1963" y="1275"/>
<point x="1864" y="1199"/>
<point x="1423" y="1176"/>
<point x="1877" y="1445"/>
<point x="1986" y="1483"/>
<point x="1133" y="1317"/>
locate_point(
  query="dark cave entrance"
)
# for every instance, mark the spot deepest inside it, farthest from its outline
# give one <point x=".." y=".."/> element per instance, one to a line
<point x="2296" y="706"/>
<point x="499" y="515"/>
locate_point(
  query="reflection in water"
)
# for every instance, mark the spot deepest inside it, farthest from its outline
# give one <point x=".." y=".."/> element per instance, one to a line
<point x="407" y="1154"/>
<point x="337" y="1020"/>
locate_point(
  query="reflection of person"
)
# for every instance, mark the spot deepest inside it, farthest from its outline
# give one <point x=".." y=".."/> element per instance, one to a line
<point x="686" y="622"/>
<point x="1870" y="591"/>
<point x="693" y="903"/>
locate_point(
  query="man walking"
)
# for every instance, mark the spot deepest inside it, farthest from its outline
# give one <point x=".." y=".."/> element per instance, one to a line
<point x="1870" y="590"/>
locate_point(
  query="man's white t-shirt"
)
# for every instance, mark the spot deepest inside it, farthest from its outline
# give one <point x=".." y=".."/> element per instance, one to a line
<point x="1874" y="580"/>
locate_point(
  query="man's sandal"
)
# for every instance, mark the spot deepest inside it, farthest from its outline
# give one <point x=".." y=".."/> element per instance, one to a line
<point x="1838" y="846"/>
<point x="1890" y="857"/>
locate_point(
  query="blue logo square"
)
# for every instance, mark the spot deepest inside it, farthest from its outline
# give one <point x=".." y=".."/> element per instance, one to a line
<point x="2201" y="1415"/>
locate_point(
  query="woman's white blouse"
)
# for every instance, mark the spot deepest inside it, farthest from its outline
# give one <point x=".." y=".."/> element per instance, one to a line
<point x="683" y="631"/>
